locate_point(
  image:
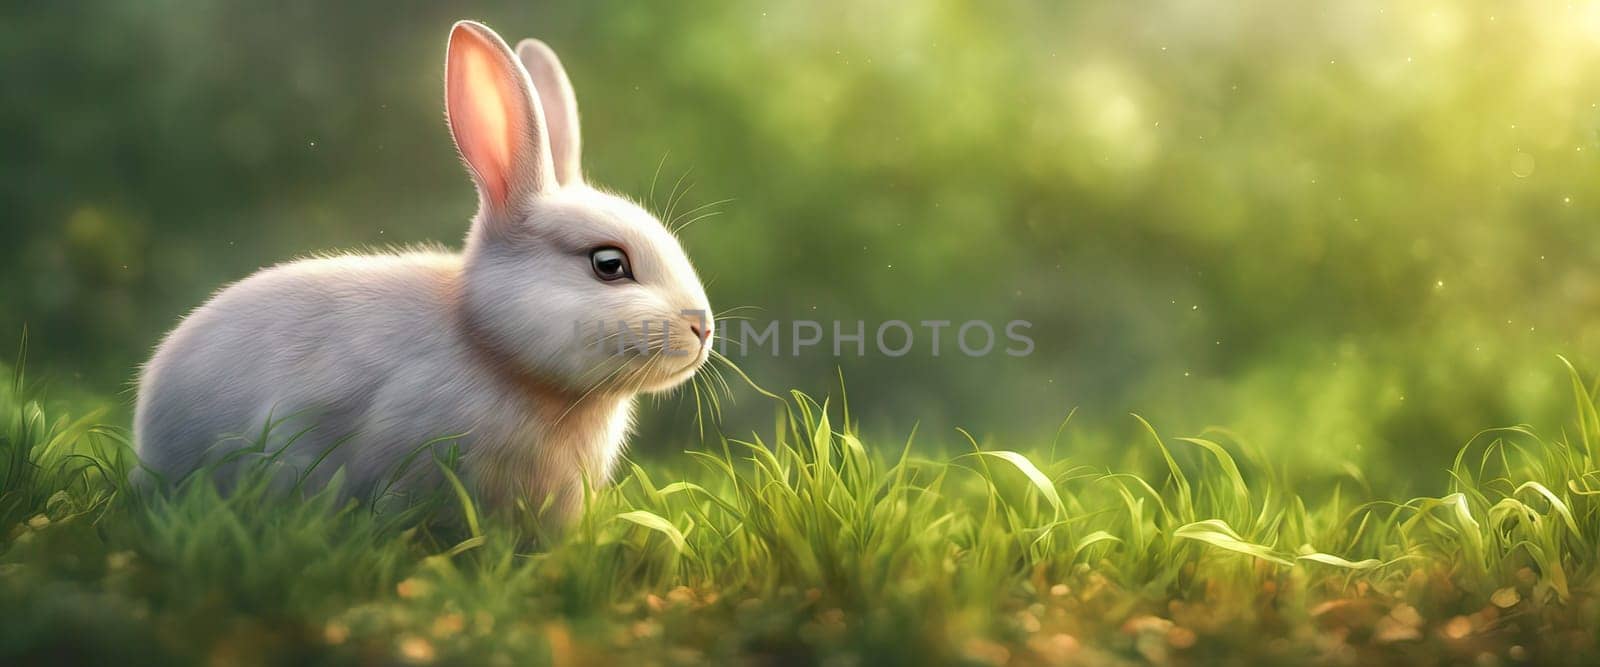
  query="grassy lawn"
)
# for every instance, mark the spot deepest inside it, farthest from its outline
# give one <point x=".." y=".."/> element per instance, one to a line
<point x="808" y="545"/>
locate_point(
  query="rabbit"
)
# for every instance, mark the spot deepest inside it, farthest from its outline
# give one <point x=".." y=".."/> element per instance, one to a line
<point x="354" y="362"/>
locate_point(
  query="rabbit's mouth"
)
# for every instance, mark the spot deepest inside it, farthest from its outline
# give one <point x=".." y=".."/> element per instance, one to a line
<point x="699" y="359"/>
<point x="682" y="374"/>
<point x="666" y="381"/>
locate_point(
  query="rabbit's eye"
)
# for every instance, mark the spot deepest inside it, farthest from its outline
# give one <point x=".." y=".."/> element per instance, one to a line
<point x="610" y="264"/>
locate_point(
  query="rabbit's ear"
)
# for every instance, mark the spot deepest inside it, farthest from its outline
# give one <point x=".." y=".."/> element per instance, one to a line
<point x="560" y="106"/>
<point x="495" y="117"/>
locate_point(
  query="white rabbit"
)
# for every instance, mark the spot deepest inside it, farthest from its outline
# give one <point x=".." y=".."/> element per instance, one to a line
<point x="364" y="358"/>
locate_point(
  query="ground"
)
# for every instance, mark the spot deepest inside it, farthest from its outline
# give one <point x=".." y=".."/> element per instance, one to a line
<point x="811" y="546"/>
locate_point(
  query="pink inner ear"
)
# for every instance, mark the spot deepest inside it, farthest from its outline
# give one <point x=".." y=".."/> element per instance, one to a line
<point x="479" y="113"/>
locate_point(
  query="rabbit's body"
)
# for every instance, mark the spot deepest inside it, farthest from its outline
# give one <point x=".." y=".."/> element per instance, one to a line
<point x="357" y="362"/>
<point x="364" y="359"/>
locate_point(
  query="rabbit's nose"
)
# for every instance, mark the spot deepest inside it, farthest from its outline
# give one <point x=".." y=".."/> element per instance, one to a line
<point x="701" y="332"/>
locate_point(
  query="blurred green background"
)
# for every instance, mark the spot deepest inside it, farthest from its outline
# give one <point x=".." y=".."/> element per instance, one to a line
<point x="1356" y="231"/>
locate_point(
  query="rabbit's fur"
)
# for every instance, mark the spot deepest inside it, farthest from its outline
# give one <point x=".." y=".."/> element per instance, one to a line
<point x="364" y="358"/>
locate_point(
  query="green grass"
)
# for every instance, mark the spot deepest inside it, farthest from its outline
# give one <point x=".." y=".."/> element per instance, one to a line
<point x="806" y="544"/>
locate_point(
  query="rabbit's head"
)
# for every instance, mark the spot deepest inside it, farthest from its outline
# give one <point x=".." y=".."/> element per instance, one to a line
<point x="576" y="288"/>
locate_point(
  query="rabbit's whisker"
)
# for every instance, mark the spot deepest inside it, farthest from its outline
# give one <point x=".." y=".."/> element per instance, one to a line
<point x="698" y="218"/>
<point x="639" y="372"/>
<point x="656" y="177"/>
<point x="719" y="357"/>
<point x="671" y="222"/>
<point x="672" y="196"/>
